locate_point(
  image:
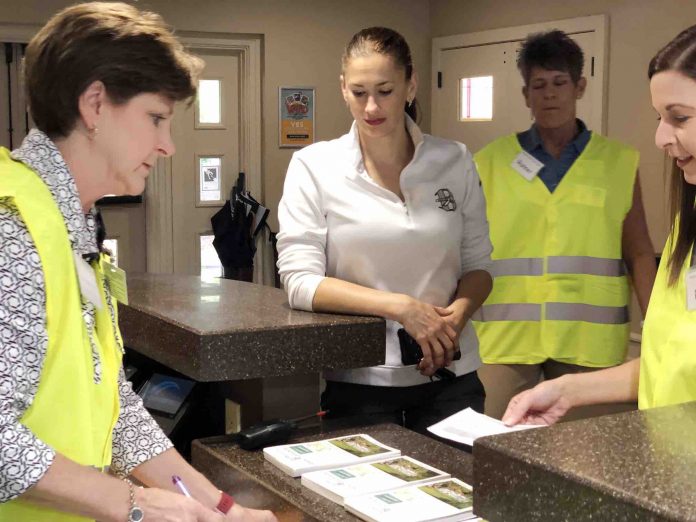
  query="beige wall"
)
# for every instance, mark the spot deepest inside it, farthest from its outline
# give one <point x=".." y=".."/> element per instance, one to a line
<point x="637" y="29"/>
<point x="303" y="41"/>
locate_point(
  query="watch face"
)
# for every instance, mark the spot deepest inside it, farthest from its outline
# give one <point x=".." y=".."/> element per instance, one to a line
<point x="135" y="515"/>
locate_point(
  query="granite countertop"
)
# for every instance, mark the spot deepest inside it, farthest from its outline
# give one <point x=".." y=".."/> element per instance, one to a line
<point x="258" y="483"/>
<point x="218" y="329"/>
<point x="626" y="467"/>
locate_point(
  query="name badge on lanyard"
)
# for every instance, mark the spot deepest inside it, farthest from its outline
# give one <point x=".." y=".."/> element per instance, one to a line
<point x="527" y="165"/>
<point x="88" y="281"/>
<point x="117" y="282"/>
<point x="691" y="289"/>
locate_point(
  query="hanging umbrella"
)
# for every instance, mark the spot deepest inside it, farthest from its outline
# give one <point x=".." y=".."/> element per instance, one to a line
<point x="235" y="226"/>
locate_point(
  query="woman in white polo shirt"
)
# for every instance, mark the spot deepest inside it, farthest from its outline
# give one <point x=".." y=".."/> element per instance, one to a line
<point x="391" y="222"/>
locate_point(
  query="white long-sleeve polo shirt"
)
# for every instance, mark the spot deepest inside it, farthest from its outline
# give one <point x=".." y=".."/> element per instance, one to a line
<point x="336" y="221"/>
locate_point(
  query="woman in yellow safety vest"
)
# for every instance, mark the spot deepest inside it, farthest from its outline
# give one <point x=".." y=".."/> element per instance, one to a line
<point x="665" y="374"/>
<point x="568" y="229"/>
<point x="102" y="80"/>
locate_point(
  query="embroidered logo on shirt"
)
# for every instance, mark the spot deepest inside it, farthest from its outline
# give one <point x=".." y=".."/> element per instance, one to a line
<point x="446" y="200"/>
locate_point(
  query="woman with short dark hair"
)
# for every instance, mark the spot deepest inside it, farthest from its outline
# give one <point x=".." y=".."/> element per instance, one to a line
<point x="102" y="82"/>
<point x="665" y="374"/>
<point x="568" y="229"/>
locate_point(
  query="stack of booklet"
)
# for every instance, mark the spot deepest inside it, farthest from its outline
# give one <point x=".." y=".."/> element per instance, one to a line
<point x="374" y="481"/>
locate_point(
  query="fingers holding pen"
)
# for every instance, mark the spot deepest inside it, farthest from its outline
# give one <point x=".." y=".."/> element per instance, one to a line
<point x="159" y="504"/>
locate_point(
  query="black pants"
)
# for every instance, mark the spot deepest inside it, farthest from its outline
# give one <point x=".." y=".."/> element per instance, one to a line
<point x="414" y="407"/>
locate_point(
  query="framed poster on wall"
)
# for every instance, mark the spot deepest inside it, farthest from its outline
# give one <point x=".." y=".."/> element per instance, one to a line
<point x="209" y="180"/>
<point x="296" y="116"/>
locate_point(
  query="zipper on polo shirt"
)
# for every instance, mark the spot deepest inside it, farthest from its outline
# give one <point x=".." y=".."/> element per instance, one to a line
<point x="362" y="172"/>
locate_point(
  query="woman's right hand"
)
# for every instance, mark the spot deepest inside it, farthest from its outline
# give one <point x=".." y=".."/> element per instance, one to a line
<point x="436" y="337"/>
<point x="543" y="404"/>
<point x="242" y="514"/>
<point x="166" y="506"/>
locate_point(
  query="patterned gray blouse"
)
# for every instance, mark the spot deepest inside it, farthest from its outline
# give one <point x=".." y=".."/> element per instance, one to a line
<point x="23" y="338"/>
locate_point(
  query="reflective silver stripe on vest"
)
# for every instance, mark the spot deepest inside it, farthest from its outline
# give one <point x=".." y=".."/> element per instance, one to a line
<point x="585" y="265"/>
<point x="508" y="312"/>
<point x="532" y="266"/>
<point x="587" y="313"/>
<point x="554" y="312"/>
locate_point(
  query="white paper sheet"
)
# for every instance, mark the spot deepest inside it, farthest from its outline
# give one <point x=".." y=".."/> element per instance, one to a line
<point x="468" y="425"/>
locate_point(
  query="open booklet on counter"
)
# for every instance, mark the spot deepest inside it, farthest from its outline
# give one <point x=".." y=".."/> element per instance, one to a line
<point x="468" y="425"/>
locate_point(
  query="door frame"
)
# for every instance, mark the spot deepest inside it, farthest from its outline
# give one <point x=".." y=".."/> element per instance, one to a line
<point x="158" y="194"/>
<point x="17" y="33"/>
<point x="599" y="24"/>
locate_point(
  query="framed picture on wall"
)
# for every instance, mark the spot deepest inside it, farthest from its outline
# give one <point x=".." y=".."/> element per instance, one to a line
<point x="295" y="116"/>
<point x="209" y="180"/>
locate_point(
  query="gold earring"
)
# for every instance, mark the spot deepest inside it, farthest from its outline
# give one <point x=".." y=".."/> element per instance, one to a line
<point x="92" y="133"/>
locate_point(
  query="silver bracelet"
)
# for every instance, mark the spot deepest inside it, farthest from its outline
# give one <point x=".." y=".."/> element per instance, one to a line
<point x="135" y="514"/>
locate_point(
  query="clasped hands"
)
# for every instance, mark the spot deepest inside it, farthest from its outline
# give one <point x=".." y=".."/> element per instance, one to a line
<point x="436" y="329"/>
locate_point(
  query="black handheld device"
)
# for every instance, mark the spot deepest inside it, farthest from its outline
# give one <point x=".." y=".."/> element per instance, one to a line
<point x="267" y="433"/>
<point x="411" y="353"/>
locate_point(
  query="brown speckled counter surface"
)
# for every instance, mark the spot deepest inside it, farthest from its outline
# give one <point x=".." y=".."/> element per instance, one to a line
<point x="218" y="329"/>
<point x="257" y="483"/>
<point x="637" y="466"/>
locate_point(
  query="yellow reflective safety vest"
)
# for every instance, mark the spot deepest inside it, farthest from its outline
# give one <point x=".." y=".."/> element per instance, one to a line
<point x="70" y="412"/>
<point x="560" y="290"/>
<point x="668" y="348"/>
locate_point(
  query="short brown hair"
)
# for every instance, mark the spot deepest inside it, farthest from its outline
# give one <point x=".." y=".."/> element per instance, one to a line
<point x="130" y="51"/>
<point x="553" y="51"/>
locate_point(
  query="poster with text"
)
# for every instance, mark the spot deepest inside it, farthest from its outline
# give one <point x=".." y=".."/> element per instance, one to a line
<point x="296" y="116"/>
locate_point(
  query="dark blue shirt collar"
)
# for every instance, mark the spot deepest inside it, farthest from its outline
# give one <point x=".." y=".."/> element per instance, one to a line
<point x="530" y="139"/>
